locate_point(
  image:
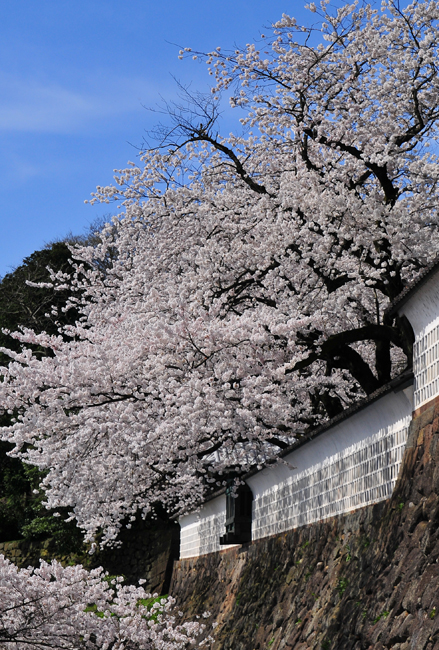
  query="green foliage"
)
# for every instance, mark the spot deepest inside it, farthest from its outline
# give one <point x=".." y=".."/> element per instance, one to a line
<point x="146" y="602"/>
<point x="22" y="514"/>
<point x="342" y="585"/>
<point x="94" y="609"/>
<point x="149" y="603"/>
<point x="14" y="494"/>
<point x="66" y="537"/>
<point x="380" y="616"/>
<point x="22" y="305"/>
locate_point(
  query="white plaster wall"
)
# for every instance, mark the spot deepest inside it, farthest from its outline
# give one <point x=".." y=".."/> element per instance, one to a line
<point x="422" y="310"/>
<point x="189" y="535"/>
<point x="200" y="531"/>
<point x="351" y="465"/>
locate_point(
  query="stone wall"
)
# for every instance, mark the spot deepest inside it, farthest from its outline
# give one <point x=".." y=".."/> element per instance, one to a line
<point x="148" y="551"/>
<point x="26" y="553"/>
<point x="361" y="581"/>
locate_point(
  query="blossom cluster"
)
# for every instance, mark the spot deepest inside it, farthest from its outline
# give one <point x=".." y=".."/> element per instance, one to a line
<point x="71" y="608"/>
<point x="245" y="298"/>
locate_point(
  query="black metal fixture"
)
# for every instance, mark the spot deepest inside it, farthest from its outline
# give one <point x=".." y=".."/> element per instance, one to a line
<point x="238" y="514"/>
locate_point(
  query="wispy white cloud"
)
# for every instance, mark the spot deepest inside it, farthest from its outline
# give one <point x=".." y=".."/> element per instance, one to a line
<point x="20" y="170"/>
<point x="35" y="106"/>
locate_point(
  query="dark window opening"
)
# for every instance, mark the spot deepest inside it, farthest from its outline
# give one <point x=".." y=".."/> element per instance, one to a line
<point x="238" y="514"/>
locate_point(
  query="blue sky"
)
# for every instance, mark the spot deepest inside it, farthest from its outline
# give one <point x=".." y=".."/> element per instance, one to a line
<point x="75" y="76"/>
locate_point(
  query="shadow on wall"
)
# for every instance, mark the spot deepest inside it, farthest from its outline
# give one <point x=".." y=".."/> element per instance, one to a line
<point x="148" y="551"/>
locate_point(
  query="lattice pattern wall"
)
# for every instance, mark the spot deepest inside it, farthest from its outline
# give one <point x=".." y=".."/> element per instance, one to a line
<point x="200" y="532"/>
<point x="426" y="367"/>
<point x="363" y="473"/>
<point x="211" y="530"/>
<point x="358" y="475"/>
<point x="189" y="539"/>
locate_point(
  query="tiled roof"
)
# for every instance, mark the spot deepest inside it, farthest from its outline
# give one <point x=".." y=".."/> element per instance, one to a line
<point x="411" y="288"/>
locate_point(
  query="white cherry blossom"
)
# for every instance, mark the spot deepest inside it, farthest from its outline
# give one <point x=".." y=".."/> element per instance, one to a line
<point x="69" y="608"/>
<point x="245" y="300"/>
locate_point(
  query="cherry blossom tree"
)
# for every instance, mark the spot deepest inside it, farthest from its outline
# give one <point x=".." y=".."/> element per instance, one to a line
<point x="73" y="609"/>
<point x="246" y="297"/>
